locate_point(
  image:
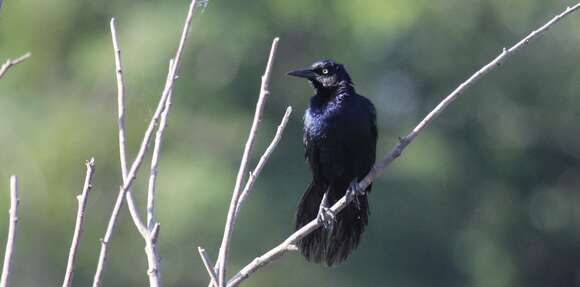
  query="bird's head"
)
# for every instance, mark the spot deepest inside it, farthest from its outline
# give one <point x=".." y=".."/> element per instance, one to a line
<point x="324" y="74"/>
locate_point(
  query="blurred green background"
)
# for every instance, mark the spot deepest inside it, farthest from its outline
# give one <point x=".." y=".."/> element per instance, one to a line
<point x="487" y="196"/>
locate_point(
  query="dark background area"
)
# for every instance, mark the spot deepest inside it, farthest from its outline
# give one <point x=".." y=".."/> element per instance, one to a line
<point x="486" y="196"/>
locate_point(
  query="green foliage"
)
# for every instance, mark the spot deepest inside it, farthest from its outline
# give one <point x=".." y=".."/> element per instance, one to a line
<point x="486" y="197"/>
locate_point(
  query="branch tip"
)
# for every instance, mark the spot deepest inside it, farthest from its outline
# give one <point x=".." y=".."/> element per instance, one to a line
<point x="237" y="193"/>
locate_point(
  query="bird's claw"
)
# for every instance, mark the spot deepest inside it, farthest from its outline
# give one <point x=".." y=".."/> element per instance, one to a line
<point x="325" y="215"/>
<point x="353" y="193"/>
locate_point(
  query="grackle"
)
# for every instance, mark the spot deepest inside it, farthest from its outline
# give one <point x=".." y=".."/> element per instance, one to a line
<point x="340" y="136"/>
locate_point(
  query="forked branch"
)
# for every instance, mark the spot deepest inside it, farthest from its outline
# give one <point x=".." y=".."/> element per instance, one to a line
<point x="129" y="177"/>
<point x="288" y="244"/>
<point x="231" y="218"/>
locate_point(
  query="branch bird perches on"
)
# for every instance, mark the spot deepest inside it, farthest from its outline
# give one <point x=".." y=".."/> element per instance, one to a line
<point x="289" y="243"/>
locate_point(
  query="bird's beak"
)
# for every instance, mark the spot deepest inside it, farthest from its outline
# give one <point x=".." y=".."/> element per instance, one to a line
<point x="308" y="74"/>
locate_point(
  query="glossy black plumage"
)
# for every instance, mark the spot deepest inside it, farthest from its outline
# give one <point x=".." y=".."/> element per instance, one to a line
<point x="340" y="136"/>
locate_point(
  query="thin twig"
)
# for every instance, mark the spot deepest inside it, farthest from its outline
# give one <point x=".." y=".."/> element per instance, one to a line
<point x="120" y="99"/>
<point x="105" y="241"/>
<point x="154" y="234"/>
<point x="285" y="246"/>
<point x="141" y="154"/>
<point x="82" y="200"/>
<point x="153" y="231"/>
<point x="14" y="201"/>
<point x="264" y="158"/>
<point x="121" y="126"/>
<point x="151" y="190"/>
<point x="11" y="62"/>
<point x="231" y="218"/>
<point x="208" y="265"/>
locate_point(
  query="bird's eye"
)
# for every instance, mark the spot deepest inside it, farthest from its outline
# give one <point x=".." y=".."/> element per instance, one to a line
<point x="324" y="71"/>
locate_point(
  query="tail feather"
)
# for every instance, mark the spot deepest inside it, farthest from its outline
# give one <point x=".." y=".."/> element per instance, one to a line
<point x="335" y="246"/>
<point x="313" y="245"/>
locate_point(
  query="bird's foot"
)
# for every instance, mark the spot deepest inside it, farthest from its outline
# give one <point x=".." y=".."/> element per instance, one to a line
<point x="325" y="215"/>
<point x="353" y="193"/>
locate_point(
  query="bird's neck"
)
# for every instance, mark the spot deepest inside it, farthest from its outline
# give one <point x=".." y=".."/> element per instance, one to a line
<point x="329" y="95"/>
<point x="326" y="94"/>
<point x="344" y="88"/>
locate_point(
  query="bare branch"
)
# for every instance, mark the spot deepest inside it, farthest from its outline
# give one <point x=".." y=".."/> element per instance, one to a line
<point x="498" y="61"/>
<point x="154" y="234"/>
<point x="82" y="199"/>
<point x="285" y="246"/>
<point x="256" y="172"/>
<point x="231" y="218"/>
<point x="122" y="154"/>
<point x="152" y="262"/>
<point x="132" y="173"/>
<point x="153" y="231"/>
<point x="155" y="162"/>
<point x="120" y="99"/>
<point x="9" y="63"/>
<point x="14" y="201"/>
<point x="144" y="230"/>
<point x="208" y="265"/>
<point x="121" y="126"/>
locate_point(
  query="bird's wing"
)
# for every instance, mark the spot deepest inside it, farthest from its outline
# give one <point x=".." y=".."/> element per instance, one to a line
<point x="373" y="118"/>
<point x="312" y="154"/>
<point x="363" y="153"/>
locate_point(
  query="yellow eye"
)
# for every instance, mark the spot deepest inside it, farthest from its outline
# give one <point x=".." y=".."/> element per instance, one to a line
<point x="324" y="71"/>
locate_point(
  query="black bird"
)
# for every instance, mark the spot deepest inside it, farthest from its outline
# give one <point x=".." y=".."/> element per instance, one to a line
<point x="340" y="136"/>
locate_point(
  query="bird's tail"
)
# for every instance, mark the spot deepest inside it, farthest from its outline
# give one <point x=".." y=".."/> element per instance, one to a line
<point x="335" y="246"/>
<point x="313" y="245"/>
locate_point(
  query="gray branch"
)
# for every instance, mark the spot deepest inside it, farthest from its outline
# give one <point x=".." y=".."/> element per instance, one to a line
<point x="287" y="244"/>
<point x="254" y="175"/>
<point x="13" y="221"/>
<point x="208" y="265"/>
<point x="231" y="218"/>
<point x="153" y="270"/>
<point x="82" y="201"/>
<point x="264" y="159"/>
<point x="151" y="190"/>
<point x="12" y="62"/>
<point x="120" y="99"/>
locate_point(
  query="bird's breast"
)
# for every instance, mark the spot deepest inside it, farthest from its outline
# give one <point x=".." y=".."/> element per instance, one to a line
<point x="319" y="123"/>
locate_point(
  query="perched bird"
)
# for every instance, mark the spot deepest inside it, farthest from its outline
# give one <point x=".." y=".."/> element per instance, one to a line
<point x="340" y="136"/>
